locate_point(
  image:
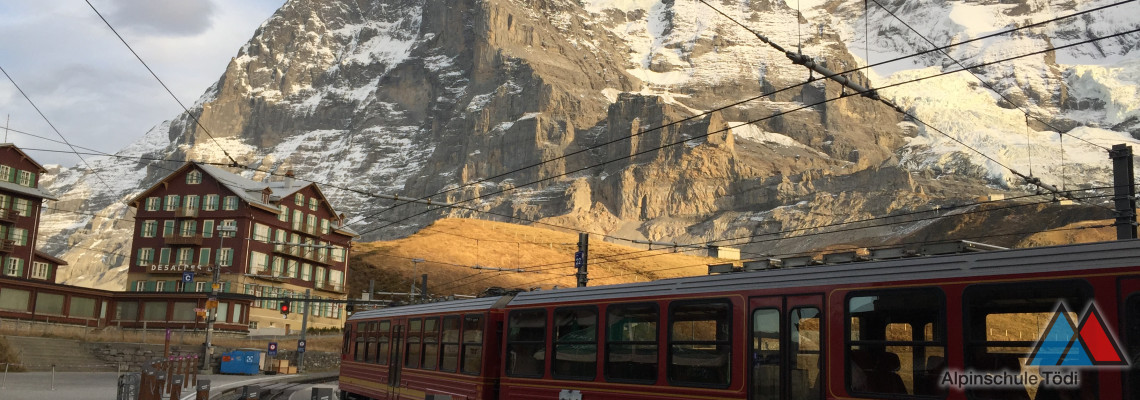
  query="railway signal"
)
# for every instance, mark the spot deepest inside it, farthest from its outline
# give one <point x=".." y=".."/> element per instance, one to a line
<point x="285" y="308"/>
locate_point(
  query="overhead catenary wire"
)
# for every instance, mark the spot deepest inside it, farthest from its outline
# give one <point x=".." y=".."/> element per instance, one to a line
<point x="197" y="122"/>
<point x="1035" y="181"/>
<point x="884" y="62"/>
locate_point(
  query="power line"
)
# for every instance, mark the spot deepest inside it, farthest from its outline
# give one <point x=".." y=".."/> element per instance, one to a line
<point x="921" y="53"/>
<point x="784" y="112"/>
<point x="187" y="110"/>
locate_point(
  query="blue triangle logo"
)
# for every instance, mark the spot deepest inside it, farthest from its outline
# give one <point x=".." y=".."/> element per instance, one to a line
<point x="1056" y="341"/>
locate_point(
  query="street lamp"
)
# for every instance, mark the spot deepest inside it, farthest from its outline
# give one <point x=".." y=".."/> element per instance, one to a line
<point x="212" y="313"/>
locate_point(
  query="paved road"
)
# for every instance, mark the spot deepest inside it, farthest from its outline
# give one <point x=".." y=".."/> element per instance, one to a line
<point x="307" y="392"/>
<point x="96" y="385"/>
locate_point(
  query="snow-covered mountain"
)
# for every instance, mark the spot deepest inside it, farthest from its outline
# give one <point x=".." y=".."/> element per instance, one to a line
<point x="418" y="97"/>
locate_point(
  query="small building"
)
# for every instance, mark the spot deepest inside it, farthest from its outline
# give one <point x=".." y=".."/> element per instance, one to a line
<point x="21" y="200"/>
<point x="282" y="238"/>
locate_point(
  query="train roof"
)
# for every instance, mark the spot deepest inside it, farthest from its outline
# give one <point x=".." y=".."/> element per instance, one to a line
<point x="1114" y="254"/>
<point x="480" y="304"/>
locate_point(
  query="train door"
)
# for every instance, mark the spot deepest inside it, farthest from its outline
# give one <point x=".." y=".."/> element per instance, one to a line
<point x="395" y="363"/>
<point x="786" y="348"/>
<point x="1130" y="327"/>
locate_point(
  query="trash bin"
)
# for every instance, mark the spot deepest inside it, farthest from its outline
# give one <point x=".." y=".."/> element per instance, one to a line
<point x="242" y="362"/>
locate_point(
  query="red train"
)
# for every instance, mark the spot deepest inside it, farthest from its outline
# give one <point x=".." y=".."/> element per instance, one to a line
<point x="962" y="326"/>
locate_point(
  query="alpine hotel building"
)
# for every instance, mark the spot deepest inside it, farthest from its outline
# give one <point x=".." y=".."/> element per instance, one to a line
<point x="288" y="239"/>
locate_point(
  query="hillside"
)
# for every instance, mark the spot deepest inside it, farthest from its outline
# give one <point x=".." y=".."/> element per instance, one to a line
<point x="450" y="246"/>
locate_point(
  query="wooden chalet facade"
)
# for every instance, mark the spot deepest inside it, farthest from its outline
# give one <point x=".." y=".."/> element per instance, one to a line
<point x="288" y="239"/>
<point x="20" y="202"/>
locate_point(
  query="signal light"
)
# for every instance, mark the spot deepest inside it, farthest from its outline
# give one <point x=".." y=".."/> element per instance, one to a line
<point x="285" y="308"/>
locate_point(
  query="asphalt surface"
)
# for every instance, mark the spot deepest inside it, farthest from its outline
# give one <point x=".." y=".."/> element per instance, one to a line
<point x="102" y="385"/>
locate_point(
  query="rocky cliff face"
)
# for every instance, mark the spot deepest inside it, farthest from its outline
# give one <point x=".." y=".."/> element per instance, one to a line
<point x="415" y="97"/>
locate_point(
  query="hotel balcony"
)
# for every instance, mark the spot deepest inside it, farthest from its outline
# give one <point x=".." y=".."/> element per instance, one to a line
<point x="9" y="215"/>
<point x="330" y="287"/>
<point x="179" y="240"/>
<point x="186" y="213"/>
<point x="267" y="274"/>
<point x="6" y="246"/>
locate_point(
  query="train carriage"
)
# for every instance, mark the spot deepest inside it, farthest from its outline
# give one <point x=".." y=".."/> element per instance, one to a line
<point x="907" y="328"/>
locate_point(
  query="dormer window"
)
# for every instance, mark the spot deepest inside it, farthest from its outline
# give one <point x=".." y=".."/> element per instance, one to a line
<point x="26" y="178"/>
<point x="194" y="177"/>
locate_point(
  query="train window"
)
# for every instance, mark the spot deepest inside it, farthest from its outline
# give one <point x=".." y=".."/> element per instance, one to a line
<point x="450" y="342"/>
<point x="383" y="338"/>
<point x="526" y="343"/>
<point x="804" y="342"/>
<point x="896" y="342"/>
<point x="575" y="343"/>
<point x="359" y="350"/>
<point x="472" y="344"/>
<point x="413" y="349"/>
<point x="370" y="343"/>
<point x="431" y="343"/>
<point x="1003" y="322"/>
<point x="699" y="345"/>
<point x="631" y="342"/>
<point x="346" y="342"/>
<point x="766" y="353"/>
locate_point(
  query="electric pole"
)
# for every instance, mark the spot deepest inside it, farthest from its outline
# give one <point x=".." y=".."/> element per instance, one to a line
<point x="212" y="312"/>
<point x="581" y="258"/>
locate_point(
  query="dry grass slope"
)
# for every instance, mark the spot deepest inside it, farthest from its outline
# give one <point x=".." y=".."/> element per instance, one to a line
<point x="547" y="255"/>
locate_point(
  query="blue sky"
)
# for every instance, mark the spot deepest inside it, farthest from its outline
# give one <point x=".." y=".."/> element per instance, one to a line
<point x="91" y="87"/>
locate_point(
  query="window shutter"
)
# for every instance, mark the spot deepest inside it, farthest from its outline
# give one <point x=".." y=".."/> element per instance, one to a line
<point x="226" y="287"/>
<point x="11" y="175"/>
<point x="20" y="267"/>
<point x="171" y="286"/>
<point x="33" y="179"/>
<point x="149" y="286"/>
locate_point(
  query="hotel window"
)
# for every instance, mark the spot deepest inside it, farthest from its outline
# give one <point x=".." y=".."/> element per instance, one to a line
<point x="298" y="219"/>
<point x="320" y="276"/>
<point x="201" y="286"/>
<point x="229" y="224"/>
<point x="6" y="173"/>
<point x="336" y="277"/>
<point x="26" y="178"/>
<point x="204" y="256"/>
<point x="306" y="272"/>
<point x="189" y="228"/>
<point x="283" y="215"/>
<point x="323" y="253"/>
<point x="291" y="268"/>
<point x="4" y="201"/>
<point x="225" y="257"/>
<point x="149" y="228"/>
<point x="210" y="203"/>
<point x="338" y="254"/>
<point x="280" y="237"/>
<point x="260" y="232"/>
<point x="14" y="267"/>
<point x="208" y="228"/>
<point x="258" y="262"/>
<point x="324" y="226"/>
<point x="194" y="177"/>
<point x="19" y="235"/>
<point x="145" y="256"/>
<point x="299" y="199"/>
<point x="278" y="266"/>
<point x="231" y="203"/>
<point x="171" y="202"/>
<point x="310" y="223"/>
<point x="185" y="256"/>
<point x="295" y="239"/>
<point x="164" y="256"/>
<point x="153" y="203"/>
<point x="140" y="286"/>
<point x="40" y="270"/>
<point x="167" y="228"/>
<point x="23" y="207"/>
<point x="160" y="286"/>
<point x="313" y="203"/>
<point x="191" y="205"/>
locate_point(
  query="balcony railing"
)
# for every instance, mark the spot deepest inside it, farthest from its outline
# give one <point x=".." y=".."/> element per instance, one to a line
<point x="330" y="287"/>
<point x="9" y="215"/>
<point x="6" y="246"/>
<point x="192" y="240"/>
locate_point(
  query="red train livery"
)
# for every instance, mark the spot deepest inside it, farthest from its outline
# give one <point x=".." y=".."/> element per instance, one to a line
<point x="963" y="326"/>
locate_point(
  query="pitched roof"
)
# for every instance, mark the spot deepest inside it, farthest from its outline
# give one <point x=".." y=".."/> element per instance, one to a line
<point x="49" y="257"/>
<point x="30" y="159"/>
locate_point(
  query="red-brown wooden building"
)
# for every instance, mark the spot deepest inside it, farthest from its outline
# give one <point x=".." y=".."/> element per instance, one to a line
<point x="288" y="239"/>
<point x="20" y="201"/>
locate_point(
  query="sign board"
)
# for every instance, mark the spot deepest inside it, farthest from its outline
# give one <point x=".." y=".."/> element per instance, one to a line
<point x="273" y="349"/>
<point x="211" y="304"/>
<point x="578" y="259"/>
<point x="215" y="286"/>
<point x="301" y="346"/>
<point x="188" y="276"/>
<point x="175" y="268"/>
